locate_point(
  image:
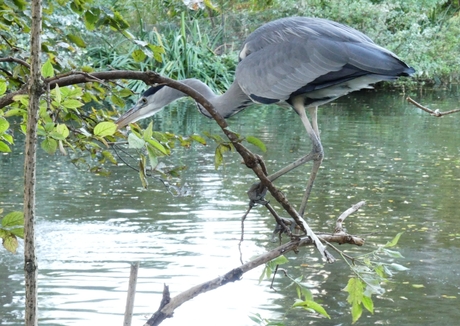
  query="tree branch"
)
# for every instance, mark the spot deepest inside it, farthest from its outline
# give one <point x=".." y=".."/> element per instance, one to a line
<point x="12" y="59"/>
<point x="167" y="310"/>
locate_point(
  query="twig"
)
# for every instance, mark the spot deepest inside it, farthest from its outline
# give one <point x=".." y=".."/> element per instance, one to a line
<point x="435" y="113"/>
<point x="243" y="218"/>
<point x="344" y="215"/>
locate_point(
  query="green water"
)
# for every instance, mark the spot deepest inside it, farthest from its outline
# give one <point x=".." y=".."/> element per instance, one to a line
<point x="403" y="162"/>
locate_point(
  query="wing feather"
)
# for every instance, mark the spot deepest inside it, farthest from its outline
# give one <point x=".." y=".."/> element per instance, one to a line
<point x="294" y="55"/>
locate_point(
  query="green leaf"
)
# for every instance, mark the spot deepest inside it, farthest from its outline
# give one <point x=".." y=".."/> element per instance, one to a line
<point x="49" y="145"/>
<point x="148" y="132"/>
<point x="10" y="242"/>
<point x="393" y="253"/>
<point x="87" y="69"/>
<point x="4" y="147"/>
<point x="219" y="154"/>
<point x="92" y="14"/>
<point x="198" y="139"/>
<point x="63" y="130"/>
<point x="72" y="104"/>
<point x="356" y="312"/>
<point x="158" y="146"/>
<point x="153" y="158"/>
<point x="47" y="69"/>
<point x="2" y="86"/>
<point x="56" y="135"/>
<point x="268" y="271"/>
<point x="157" y="51"/>
<point x="135" y="142"/>
<point x="379" y="270"/>
<point x="138" y="55"/>
<point x="13" y="219"/>
<point x="394" y="242"/>
<point x="21" y="4"/>
<point x="280" y="260"/>
<point x="368" y="304"/>
<point x="398" y="267"/>
<point x="125" y="92"/>
<point x="304" y="292"/>
<point x="57" y="94"/>
<point x="309" y="304"/>
<point x="77" y="40"/>
<point x="15" y="112"/>
<point x="108" y="155"/>
<point x="256" y="318"/>
<point x="18" y="232"/>
<point x="117" y="101"/>
<point x="106" y="128"/>
<point x="262" y="276"/>
<point x="8" y="138"/>
<point x="218" y="157"/>
<point x="22" y="98"/>
<point x="4" y="125"/>
<point x="256" y="142"/>
<point x="355" y="290"/>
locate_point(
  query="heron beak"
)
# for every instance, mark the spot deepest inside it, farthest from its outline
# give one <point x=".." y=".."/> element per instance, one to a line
<point x="129" y="116"/>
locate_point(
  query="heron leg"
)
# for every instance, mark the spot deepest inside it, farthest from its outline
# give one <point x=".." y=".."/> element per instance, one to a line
<point x="317" y="152"/>
<point x="257" y="191"/>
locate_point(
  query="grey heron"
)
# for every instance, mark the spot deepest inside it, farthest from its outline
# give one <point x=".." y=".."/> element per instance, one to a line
<point x="295" y="62"/>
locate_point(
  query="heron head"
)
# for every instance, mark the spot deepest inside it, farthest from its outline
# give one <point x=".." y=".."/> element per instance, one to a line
<point x="151" y="102"/>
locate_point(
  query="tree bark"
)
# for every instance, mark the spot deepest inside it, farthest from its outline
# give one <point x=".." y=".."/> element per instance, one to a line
<point x="34" y="90"/>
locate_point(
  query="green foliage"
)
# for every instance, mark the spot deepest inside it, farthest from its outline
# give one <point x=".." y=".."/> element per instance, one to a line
<point x="370" y="272"/>
<point x="152" y="145"/>
<point x="304" y="298"/>
<point x="11" y="228"/>
<point x="5" y="138"/>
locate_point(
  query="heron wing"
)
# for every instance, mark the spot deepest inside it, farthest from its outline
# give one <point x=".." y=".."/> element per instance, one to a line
<point x="300" y="55"/>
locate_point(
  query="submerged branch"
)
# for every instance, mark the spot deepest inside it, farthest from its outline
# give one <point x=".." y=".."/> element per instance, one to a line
<point x="435" y="113"/>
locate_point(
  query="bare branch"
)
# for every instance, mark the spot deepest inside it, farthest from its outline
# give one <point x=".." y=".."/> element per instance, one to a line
<point x="435" y="113"/>
<point x="12" y="59"/>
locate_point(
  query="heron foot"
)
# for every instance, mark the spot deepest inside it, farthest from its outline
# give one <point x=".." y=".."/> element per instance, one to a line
<point x="257" y="194"/>
<point x="279" y="229"/>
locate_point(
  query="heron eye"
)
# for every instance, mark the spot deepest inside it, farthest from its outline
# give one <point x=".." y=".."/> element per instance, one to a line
<point x="143" y="100"/>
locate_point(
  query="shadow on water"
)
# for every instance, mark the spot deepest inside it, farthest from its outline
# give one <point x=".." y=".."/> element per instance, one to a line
<point x="404" y="163"/>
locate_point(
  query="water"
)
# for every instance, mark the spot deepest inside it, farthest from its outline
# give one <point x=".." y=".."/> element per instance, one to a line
<point x="404" y="163"/>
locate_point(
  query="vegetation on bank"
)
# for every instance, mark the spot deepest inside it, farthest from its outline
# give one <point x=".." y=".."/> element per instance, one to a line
<point x="423" y="33"/>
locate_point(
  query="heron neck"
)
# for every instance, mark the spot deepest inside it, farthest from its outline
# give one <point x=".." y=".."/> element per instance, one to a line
<point x="227" y="104"/>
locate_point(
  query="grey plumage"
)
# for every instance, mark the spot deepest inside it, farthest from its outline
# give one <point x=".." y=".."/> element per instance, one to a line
<point x="298" y="62"/>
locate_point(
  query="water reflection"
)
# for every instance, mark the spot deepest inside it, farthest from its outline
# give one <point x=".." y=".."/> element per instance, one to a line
<point x="405" y="164"/>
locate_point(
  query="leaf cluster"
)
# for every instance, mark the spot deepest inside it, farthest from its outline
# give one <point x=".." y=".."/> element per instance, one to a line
<point x="11" y="228"/>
